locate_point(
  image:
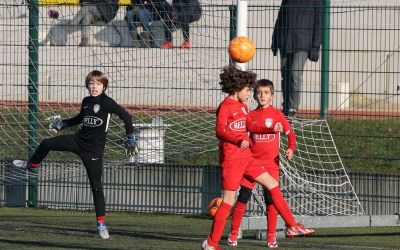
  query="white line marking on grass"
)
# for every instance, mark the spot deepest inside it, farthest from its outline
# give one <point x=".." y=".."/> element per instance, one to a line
<point x="325" y="246"/>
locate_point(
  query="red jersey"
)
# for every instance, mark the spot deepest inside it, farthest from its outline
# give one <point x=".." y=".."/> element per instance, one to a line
<point x="231" y="130"/>
<point x="266" y="146"/>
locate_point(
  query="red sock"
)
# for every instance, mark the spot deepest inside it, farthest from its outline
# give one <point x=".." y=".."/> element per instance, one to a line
<point x="101" y="219"/>
<point x="282" y="206"/>
<point x="237" y="216"/>
<point x="218" y="224"/>
<point x="272" y="219"/>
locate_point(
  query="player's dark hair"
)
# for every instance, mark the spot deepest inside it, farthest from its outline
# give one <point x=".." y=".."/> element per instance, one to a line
<point x="234" y="79"/>
<point x="264" y="83"/>
<point x="97" y="76"/>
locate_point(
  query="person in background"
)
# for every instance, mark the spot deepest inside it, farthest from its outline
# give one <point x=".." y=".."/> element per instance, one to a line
<point x="92" y="11"/>
<point x="184" y="12"/>
<point x="297" y="36"/>
<point x="143" y="13"/>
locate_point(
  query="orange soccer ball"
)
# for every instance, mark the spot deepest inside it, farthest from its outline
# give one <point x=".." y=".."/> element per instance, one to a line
<point x="214" y="205"/>
<point x="241" y="49"/>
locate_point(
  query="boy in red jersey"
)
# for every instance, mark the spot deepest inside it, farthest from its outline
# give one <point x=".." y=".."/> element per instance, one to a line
<point x="236" y="159"/>
<point x="266" y="150"/>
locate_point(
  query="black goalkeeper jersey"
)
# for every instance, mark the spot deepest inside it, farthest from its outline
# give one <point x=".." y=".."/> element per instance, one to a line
<point x="95" y="116"/>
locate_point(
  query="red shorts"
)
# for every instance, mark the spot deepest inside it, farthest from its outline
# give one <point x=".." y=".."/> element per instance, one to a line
<point x="233" y="171"/>
<point x="273" y="171"/>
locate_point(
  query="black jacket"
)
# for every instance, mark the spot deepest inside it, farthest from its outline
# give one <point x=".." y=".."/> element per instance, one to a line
<point x="298" y="26"/>
<point x="188" y="10"/>
<point x="95" y="116"/>
<point x="108" y="9"/>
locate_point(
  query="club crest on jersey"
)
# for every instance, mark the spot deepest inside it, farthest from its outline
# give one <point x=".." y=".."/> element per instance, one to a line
<point x="96" y="108"/>
<point x="238" y="125"/>
<point x="244" y="110"/>
<point x="268" y="122"/>
<point x="92" y="121"/>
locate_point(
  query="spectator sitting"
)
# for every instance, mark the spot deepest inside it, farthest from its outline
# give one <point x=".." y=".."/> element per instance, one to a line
<point x="92" y="11"/>
<point x="184" y="12"/>
<point x="143" y="13"/>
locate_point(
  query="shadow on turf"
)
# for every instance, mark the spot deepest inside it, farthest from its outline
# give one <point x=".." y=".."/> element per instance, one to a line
<point x="20" y="243"/>
<point x="157" y="236"/>
<point x="65" y="231"/>
<point x="353" y="235"/>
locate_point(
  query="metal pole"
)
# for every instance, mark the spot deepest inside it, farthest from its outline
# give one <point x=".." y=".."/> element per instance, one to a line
<point x="241" y="25"/>
<point x="33" y="93"/>
<point x="325" y="60"/>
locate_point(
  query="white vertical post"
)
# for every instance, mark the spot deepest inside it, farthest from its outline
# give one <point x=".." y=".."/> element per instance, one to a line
<point x="241" y="25"/>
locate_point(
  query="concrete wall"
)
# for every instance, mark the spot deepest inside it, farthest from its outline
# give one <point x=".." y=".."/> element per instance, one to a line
<point x="364" y="59"/>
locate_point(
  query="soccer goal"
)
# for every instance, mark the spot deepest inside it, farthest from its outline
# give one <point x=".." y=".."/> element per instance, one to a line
<point x="315" y="182"/>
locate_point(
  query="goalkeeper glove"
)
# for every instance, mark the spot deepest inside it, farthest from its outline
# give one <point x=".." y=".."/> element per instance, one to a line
<point x="131" y="146"/>
<point x="57" y="125"/>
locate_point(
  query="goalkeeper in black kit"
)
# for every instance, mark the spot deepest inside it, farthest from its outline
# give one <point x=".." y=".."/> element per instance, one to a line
<point x="89" y="142"/>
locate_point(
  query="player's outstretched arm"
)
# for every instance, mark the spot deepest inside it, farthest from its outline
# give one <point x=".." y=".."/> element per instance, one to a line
<point x="124" y="115"/>
<point x="131" y="142"/>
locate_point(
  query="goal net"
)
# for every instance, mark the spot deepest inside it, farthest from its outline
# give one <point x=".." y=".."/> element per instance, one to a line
<point x="315" y="182"/>
<point x="171" y="93"/>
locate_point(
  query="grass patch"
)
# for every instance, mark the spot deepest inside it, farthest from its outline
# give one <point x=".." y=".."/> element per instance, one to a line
<point x="27" y="228"/>
<point x="368" y="145"/>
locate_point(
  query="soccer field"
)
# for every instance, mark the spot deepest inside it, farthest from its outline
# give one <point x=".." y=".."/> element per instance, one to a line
<point x="22" y="228"/>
